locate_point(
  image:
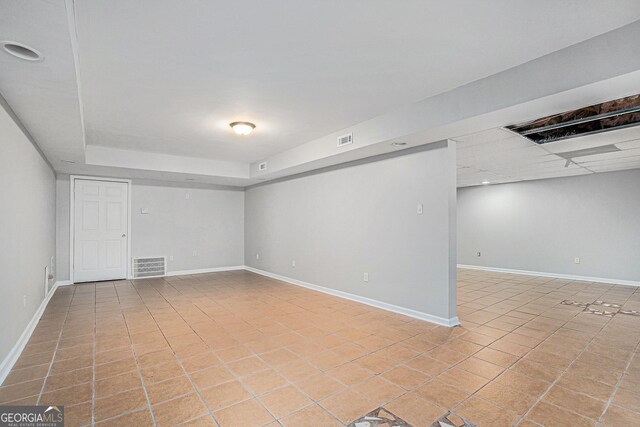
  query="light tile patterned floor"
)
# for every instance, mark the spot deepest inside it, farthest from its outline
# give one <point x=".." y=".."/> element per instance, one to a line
<point x="238" y="349"/>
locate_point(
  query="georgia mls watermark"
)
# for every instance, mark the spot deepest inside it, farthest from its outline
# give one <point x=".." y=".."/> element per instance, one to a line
<point x="31" y="416"/>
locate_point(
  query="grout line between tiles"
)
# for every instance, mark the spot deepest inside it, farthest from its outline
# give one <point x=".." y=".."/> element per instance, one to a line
<point x="53" y="358"/>
<point x="135" y="357"/>
<point x="95" y="344"/>
<point x="617" y="386"/>
<point x="179" y="361"/>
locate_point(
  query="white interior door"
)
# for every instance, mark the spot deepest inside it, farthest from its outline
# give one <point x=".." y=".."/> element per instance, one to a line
<point x="100" y="230"/>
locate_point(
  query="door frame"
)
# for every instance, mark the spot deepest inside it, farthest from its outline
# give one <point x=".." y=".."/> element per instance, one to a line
<point x="72" y="208"/>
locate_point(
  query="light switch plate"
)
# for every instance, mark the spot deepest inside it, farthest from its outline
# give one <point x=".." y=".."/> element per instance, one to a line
<point x="420" y="209"/>
<point x="144" y="211"/>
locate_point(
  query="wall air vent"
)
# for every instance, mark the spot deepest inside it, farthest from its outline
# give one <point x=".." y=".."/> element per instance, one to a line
<point x="149" y="267"/>
<point x="605" y="117"/>
<point x="345" y="139"/>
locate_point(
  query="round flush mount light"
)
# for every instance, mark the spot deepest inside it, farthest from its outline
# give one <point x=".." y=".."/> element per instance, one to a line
<point x="21" y="51"/>
<point x="242" y="128"/>
<point x="486" y="182"/>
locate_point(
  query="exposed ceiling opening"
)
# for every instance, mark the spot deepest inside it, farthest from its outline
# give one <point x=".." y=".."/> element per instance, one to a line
<point x="603" y="117"/>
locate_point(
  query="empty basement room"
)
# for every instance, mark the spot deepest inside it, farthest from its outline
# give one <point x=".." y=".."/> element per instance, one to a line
<point x="357" y="213"/>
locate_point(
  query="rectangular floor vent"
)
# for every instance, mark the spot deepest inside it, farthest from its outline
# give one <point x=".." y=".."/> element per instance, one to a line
<point x="149" y="267"/>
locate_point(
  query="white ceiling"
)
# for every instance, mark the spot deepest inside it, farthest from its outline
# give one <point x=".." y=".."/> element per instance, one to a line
<point x="169" y="76"/>
<point x="158" y="81"/>
<point x="44" y="95"/>
<point x="499" y="155"/>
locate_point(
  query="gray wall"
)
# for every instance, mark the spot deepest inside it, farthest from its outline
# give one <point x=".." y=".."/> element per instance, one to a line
<point x="27" y="229"/>
<point x="543" y="225"/>
<point x="210" y="222"/>
<point x="345" y="221"/>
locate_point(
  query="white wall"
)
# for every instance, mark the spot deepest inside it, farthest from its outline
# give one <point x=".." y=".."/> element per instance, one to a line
<point x="342" y="222"/>
<point x="543" y="225"/>
<point x="27" y="229"/>
<point x="210" y="222"/>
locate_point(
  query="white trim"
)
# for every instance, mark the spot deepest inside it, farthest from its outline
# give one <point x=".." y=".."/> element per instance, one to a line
<point x="364" y="300"/>
<point x="72" y="201"/>
<point x="16" y="351"/>
<point x="63" y="283"/>
<point x="552" y="275"/>
<point x="204" y="270"/>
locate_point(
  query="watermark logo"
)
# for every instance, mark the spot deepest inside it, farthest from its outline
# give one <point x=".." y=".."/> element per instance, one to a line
<point x="31" y="416"/>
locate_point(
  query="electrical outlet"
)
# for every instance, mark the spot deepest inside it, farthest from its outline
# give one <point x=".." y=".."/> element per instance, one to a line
<point x="420" y="209"/>
<point x="478" y="253"/>
<point x="366" y="277"/>
<point x="195" y="253"/>
<point x="576" y="260"/>
<point x="170" y="257"/>
<point x="293" y="263"/>
<point x="257" y="256"/>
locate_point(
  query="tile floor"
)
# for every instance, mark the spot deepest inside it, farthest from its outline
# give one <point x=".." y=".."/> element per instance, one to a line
<point x="238" y="349"/>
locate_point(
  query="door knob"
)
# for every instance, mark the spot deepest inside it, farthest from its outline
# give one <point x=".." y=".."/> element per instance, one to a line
<point x="124" y="235"/>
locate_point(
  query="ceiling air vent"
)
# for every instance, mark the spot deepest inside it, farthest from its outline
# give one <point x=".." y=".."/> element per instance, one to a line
<point x="345" y="139"/>
<point x="610" y="115"/>
<point x="149" y="267"/>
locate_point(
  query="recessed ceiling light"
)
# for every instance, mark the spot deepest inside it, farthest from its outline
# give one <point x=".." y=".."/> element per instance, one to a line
<point x="398" y="144"/>
<point x="21" y="51"/>
<point x="242" y="128"/>
<point x="486" y="182"/>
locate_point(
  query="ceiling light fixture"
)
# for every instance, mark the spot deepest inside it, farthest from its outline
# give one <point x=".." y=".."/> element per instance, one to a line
<point x="486" y="182"/>
<point x="21" y="51"/>
<point x="242" y="128"/>
<point x="398" y="144"/>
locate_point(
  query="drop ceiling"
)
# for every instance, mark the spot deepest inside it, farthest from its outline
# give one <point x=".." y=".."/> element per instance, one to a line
<point x="499" y="156"/>
<point x="130" y="87"/>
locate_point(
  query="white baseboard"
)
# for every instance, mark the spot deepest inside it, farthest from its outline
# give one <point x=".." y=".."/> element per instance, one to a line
<point x="204" y="270"/>
<point x="552" y="275"/>
<point x="14" y="354"/>
<point x="364" y="300"/>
